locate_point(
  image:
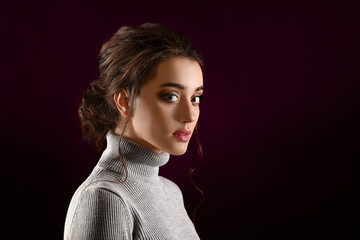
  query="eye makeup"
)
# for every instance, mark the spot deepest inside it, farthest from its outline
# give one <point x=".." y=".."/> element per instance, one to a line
<point x="200" y="97"/>
<point x="172" y="97"/>
<point x="169" y="97"/>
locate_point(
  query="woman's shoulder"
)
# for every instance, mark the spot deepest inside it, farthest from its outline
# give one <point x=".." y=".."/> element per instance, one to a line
<point x="104" y="181"/>
<point x="91" y="205"/>
<point x="99" y="185"/>
<point x="169" y="184"/>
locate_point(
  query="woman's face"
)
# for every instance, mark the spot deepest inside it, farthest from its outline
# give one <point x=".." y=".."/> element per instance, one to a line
<point x="168" y="103"/>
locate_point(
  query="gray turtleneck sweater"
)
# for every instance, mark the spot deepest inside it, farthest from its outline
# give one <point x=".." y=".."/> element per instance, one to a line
<point x="146" y="206"/>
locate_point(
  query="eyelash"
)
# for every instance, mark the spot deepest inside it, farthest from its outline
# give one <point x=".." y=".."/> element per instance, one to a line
<point x="165" y="97"/>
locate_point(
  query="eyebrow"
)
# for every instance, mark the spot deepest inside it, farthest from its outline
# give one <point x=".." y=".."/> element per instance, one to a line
<point x="179" y="86"/>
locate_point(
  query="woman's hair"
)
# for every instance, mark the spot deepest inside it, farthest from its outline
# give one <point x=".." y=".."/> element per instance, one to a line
<point x="127" y="61"/>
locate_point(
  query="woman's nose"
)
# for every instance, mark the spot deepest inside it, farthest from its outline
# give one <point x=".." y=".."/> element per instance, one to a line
<point x="188" y="112"/>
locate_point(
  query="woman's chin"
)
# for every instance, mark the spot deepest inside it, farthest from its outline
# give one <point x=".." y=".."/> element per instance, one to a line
<point x="178" y="150"/>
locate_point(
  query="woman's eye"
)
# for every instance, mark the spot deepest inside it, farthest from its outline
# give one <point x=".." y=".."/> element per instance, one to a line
<point x="170" y="97"/>
<point x="197" y="99"/>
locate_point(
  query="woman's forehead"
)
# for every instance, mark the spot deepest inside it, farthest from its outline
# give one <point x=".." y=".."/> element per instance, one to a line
<point x="178" y="72"/>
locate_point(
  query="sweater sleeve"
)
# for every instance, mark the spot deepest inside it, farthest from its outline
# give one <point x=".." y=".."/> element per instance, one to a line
<point x="100" y="214"/>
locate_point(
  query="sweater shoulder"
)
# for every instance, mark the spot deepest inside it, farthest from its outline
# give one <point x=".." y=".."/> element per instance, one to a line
<point x="169" y="183"/>
<point x="108" y="181"/>
<point x="98" y="211"/>
<point x="172" y="186"/>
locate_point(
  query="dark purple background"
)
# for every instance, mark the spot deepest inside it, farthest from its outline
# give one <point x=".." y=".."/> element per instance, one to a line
<point x="279" y="122"/>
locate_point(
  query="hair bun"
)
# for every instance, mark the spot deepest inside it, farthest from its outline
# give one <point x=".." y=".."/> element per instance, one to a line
<point x="95" y="116"/>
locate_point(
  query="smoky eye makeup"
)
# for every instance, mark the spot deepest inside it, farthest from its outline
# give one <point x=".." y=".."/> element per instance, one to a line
<point x="199" y="98"/>
<point x="169" y="96"/>
<point x="172" y="97"/>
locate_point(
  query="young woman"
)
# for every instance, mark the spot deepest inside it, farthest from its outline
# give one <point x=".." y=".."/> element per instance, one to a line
<point x="146" y="105"/>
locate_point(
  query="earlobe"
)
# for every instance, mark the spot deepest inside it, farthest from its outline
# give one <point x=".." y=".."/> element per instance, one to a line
<point x="121" y="101"/>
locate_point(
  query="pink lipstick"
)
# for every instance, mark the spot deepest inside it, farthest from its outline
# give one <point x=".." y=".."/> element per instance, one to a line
<point x="182" y="135"/>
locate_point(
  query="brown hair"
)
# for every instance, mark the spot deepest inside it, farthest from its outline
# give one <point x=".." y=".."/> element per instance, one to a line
<point x="127" y="61"/>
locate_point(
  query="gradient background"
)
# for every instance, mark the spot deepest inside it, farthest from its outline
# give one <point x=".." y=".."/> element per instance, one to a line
<point x="279" y="122"/>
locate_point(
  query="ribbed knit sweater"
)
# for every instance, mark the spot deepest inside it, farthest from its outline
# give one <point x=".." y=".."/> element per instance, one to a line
<point x="145" y="206"/>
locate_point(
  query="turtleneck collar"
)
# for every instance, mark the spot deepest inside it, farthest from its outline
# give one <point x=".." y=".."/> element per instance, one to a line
<point x="141" y="162"/>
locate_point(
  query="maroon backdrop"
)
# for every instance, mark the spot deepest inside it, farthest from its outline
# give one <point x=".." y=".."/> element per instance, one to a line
<point x="279" y="122"/>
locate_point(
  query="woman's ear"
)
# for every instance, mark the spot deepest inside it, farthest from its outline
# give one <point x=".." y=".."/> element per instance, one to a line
<point x="121" y="99"/>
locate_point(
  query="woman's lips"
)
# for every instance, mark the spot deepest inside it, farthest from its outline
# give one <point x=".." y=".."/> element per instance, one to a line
<point x="182" y="135"/>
